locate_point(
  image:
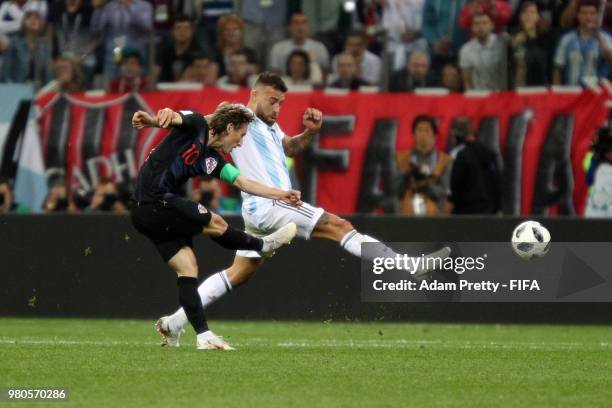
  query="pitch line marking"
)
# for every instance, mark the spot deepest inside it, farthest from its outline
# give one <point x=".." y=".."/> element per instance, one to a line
<point x="303" y="343"/>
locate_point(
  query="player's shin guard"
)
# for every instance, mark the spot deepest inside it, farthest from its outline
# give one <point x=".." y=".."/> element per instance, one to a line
<point x="214" y="287"/>
<point x="189" y="299"/>
<point x="352" y="243"/>
<point x="236" y="239"/>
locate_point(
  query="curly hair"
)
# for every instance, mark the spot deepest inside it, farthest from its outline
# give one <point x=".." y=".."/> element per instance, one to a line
<point x="234" y="114"/>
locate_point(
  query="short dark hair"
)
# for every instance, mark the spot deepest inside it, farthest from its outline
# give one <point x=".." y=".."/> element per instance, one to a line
<point x="480" y="14"/>
<point x="234" y="114"/>
<point x="4" y="180"/>
<point x="296" y="13"/>
<point x="271" y="79"/>
<point x="356" y="33"/>
<point x="130" y="52"/>
<point x="425" y="118"/>
<point x="182" y="18"/>
<point x="304" y="55"/>
<point x="587" y="3"/>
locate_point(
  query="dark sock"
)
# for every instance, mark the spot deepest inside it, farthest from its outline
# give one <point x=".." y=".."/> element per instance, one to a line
<point x="190" y="301"/>
<point x="236" y="239"/>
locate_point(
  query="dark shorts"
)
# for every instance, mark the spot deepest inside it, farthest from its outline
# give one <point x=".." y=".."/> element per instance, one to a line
<point x="170" y="224"/>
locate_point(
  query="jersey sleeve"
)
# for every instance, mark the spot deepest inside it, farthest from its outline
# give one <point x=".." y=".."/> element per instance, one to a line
<point x="192" y="121"/>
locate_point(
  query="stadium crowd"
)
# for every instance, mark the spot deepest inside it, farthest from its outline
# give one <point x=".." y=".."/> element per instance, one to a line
<point x="389" y="45"/>
<point x="374" y="45"/>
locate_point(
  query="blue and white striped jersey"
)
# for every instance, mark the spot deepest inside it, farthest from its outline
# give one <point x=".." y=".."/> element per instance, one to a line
<point x="262" y="158"/>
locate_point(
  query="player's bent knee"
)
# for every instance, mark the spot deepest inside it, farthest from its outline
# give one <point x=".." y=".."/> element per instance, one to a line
<point x="191" y="272"/>
<point x="216" y="227"/>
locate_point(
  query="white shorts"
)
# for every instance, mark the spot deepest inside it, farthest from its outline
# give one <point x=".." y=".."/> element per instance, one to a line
<point x="270" y="215"/>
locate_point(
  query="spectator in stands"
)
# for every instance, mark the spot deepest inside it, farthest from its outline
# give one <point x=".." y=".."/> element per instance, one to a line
<point x="483" y="60"/>
<point x="7" y="202"/>
<point x="299" y="70"/>
<point x="567" y="21"/>
<point x="300" y="32"/>
<point x="58" y="199"/>
<point x="13" y="12"/>
<point x="585" y="52"/>
<point x="599" y="204"/>
<point x="230" y="39"/>
<point x="474" y="180"/>
<point x="347" y="77"/>
<point x="68" y="76"/>
<point x="451" y="78"/>
<point x="403" y="20"/>
<point x="107" y="198"/>
<point x="414" y="75"/>
<point x="549" y="11"/>
<point x="368" y="63"/>
<point x="28" y="57"/>
<point x="130" y="77"/>
<point x="208" y="193"/>
<point x="441" y="29"/>
<point x="211" y="11"/>
<point x="500" y="12"/>
<point x="324" y="17"/>
<point x="121" y="23"/>
<point x="422" y="170"/>
<point x="70" y="20"/>
<point x="237" y="71"/>
<point x="201" y="70"/>
<point x="166" y="12"/>
<point x="532" y="49"/>
<point x="175" y="53"/>
<point x="266" y="23"/>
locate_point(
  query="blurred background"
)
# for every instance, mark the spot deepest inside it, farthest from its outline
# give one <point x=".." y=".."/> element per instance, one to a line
<point x="433" y="107"/>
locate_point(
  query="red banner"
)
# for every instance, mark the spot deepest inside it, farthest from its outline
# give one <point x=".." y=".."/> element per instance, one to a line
<point x="91" y="136"/>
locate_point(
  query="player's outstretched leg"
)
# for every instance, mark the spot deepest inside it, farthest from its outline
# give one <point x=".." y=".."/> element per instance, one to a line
<point x="216" y="227"/>
<point x="185" y="265"/>
<point x="332" y="227"/>
<point x="234" y="239"/>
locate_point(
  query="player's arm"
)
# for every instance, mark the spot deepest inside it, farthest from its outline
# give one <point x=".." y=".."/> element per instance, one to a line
<point x="167" y="118"/>
<point x="232" y="175"/>
<point x="312" y="121"/>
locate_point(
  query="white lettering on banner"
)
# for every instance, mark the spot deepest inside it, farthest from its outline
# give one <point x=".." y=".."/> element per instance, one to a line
<point x="129" y="165"/>
<point x="120" y="172"/>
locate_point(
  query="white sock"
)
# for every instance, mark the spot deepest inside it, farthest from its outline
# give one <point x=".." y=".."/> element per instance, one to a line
<point x="352" y="243"/>
<point x="210" y="290"/>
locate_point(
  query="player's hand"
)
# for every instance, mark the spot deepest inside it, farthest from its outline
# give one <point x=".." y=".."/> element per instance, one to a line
<point x="142" y="119"/>
<point x="293" y="197"/>
<point x="164" y="118"/>
<point x="312" y="119"/>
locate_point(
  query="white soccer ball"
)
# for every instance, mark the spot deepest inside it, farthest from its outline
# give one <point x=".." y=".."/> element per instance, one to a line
<point x="530" y="240"/>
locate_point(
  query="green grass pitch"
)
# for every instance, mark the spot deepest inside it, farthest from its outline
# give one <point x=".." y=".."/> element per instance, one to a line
<point x="118" y="363"/>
